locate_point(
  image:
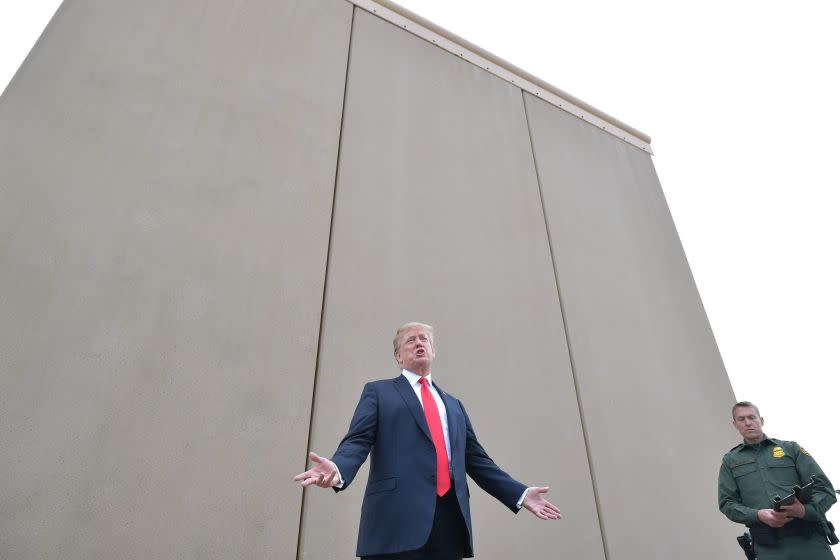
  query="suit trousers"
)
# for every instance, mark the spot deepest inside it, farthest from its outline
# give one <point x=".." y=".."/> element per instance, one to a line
<point x="448" y="538"/>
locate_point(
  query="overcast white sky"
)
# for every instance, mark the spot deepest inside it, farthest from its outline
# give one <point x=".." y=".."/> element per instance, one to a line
<point x="742" y="101"/>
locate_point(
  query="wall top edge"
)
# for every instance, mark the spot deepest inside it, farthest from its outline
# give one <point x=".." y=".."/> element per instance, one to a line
<point x="430" y="31"/>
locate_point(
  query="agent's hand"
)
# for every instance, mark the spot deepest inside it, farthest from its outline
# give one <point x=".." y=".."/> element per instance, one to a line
<point x="773" y="518"/>
<point x="796" y="509"/>
<point x="324" y="473"/>
<point x="538" y="505"/>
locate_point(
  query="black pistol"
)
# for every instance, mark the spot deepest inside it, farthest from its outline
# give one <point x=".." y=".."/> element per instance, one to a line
<point x="802" y="493"/>
<point x="806" y="493"/>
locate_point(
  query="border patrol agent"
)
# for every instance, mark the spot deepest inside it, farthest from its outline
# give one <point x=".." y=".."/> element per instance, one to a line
<point x="755" y="471"/>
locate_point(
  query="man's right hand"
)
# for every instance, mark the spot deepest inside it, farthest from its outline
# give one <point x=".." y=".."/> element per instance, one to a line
<point x="773" y="518"/>
<point x="324" y="473"/>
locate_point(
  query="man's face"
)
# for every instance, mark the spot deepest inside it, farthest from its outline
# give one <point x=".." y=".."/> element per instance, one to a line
<point x="749" y="424"/>
<point x="416" y="351"/>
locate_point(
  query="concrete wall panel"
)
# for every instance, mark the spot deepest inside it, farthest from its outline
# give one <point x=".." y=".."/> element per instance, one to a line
<point x="166" y="232"/>
<point x="438" y="219"/>
<point x="653" y="388"/>
<point x="166" y="180"/>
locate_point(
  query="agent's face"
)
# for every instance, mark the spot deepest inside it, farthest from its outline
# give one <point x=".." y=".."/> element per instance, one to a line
<point x="416" y="351"/>
<point x="749" y="424"/>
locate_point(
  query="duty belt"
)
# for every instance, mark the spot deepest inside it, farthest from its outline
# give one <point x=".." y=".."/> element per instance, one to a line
<point x="768" y="536"/>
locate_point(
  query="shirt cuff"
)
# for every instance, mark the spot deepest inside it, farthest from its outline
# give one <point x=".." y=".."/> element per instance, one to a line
<point x="522" y="498"/>
<point x="340" y="478"/>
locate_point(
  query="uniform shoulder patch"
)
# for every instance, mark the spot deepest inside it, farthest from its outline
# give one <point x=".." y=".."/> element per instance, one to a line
<point x="802" y="449"/>
<point x="778" y="452"/>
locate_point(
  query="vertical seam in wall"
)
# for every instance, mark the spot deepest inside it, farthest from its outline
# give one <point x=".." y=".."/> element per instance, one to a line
<point x="326" y="278"/>
<point x="566" y="333"/>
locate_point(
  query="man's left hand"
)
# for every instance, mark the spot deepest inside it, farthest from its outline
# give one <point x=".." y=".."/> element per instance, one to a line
<point x="796" y="509"/>
<point x="538" y="505"/>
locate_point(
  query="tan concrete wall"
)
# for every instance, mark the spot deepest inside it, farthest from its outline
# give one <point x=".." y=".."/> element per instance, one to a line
<point x="654" y="392"/>
<point x="167" y="171"/>
<point x="438" y="219"/>
<point x="168" y="236"/>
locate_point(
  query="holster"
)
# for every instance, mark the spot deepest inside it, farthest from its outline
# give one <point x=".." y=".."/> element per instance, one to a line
<point x="746" y="544"/>
<point x="764" y="534"/>
<point x="826" y="529"/>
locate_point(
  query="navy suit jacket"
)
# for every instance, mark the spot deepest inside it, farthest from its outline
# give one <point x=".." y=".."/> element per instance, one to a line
<point x="400" y="497"/>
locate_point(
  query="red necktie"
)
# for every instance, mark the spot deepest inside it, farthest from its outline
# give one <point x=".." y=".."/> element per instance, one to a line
<point x="430" y="409"/>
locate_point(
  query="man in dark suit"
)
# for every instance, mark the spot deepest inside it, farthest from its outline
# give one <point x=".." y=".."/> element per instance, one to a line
<point x="422" y="447"/>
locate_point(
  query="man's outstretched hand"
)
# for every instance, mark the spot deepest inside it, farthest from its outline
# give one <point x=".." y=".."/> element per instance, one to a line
<point x="324" y="473"/>
<point x="538" y="505"/>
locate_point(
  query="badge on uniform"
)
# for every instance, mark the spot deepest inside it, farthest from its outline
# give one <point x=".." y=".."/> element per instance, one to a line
<point x="778" y="452"/>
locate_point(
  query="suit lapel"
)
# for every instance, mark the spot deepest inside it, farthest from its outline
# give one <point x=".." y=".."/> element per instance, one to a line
<point x="413" y="404"/>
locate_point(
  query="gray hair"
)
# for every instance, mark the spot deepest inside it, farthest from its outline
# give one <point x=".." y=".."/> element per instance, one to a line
<point x="428" y="328"/>
<point x="745" y="404"/>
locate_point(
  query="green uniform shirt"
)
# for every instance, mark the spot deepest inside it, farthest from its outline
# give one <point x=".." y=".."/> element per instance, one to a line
<point x="751" y="475"/>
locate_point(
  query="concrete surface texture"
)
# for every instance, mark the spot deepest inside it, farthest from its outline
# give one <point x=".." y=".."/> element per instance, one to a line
<point x="212" y="218"/>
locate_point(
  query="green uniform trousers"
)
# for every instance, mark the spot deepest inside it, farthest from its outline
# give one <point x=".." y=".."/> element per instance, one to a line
<point x="793" y="547"/>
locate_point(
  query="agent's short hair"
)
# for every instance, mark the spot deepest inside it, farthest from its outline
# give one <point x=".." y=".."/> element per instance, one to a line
<point x="745" y="404"/>
<point x="428" y="328"/>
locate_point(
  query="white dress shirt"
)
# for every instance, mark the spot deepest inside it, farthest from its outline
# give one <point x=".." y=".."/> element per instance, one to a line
<point x="414" y="380"/>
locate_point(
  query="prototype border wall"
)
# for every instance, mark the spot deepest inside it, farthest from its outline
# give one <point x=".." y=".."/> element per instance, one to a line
<point x="213" y="216"/>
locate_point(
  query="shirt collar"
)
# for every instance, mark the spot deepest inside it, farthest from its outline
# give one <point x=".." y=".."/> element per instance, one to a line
<point x="413" y="378"/>
<point x="744" y="444"/>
